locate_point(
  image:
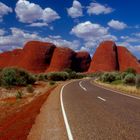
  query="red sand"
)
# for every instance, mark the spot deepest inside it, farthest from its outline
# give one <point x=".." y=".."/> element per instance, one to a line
<point x="17" y="125"/>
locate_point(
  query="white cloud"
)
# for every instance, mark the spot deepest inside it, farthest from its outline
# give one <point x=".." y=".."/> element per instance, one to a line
<point x="118" y="25"/>
<point x="92" y="34"/>
<point x="49" y="15"/>
<point x="4" y="10"/>
<point x="38" y="24"/>
<point x="19" y="37"/>
<point x="76" y="10"/>
<point x="91" y="31"/>
<point x="30" y="12"/>
<point x="97" y="8"/>
<point x="2" y="32"/>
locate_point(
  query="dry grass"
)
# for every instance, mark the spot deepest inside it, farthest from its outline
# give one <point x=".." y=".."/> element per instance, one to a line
<point x="121" y="87"/>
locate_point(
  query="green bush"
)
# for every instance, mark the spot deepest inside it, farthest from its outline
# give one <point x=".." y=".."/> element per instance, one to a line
<point x="42" y="77"/>
<point x="58" y="76"/>
<point x="129" y="79"/>
<point x="52" y="83"/>
<point x="15" y="77"/>
<point x="30" y="88"/>
<point x="19" y="95"/>
<point x="131" y="70"/>
<point x="137" y="81"/>
<point x="123" y="74"/>
<point x="117" y="82"/>
<point x="108" y="77"/>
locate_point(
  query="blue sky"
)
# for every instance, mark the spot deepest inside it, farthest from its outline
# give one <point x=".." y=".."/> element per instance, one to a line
<point x="78" y="24"/>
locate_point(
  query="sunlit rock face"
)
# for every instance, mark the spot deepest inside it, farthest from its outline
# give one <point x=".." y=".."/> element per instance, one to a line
<point x="105" y="58"/>
<point x="36" y="56"/>
<point x="126" y="59"/>
<point x="62" y="59"/>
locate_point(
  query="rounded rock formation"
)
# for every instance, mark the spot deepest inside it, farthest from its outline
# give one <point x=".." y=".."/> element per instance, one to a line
<point x="36" y="56"/>
<point x="105" y="58"/>
<point x="62" y="59"/>
<point x="127" y="60"/>
<point x="82" y="61"/>
<point x="5" y="58"/>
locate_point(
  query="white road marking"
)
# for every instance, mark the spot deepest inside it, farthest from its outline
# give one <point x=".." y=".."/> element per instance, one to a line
<point x="101" y="98"/>
<point x="69" y="133"/>
<point x="117" y="92"/>
<point x="80" y="84"/>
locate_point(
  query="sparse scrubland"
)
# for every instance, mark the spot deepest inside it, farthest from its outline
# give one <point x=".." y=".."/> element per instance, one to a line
<point x="127" y="81"/>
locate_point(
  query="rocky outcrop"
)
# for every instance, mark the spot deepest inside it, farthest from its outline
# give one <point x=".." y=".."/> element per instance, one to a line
<point x="15" y="57"/>
<point x="39" y="57"/>
<point x="126" y="60"/>
<point x="36" y="56"/>
<point x="5" y="57"/>
<point x="82" y="61"/>
<point x="62" y="59"/>
<point x="105" y="58"/>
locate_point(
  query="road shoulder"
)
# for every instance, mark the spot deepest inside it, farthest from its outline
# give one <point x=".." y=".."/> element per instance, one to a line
<point x="49" y="124"/>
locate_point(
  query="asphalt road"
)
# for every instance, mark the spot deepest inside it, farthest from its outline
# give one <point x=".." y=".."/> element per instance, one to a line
<point x="94" y="113"/>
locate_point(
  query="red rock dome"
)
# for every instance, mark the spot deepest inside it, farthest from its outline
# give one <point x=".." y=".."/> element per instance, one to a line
<point x="62" y="59"/>
<point x="36" y="56"/>
<point x="126" y="59"/>
<point x="105" y="58"/>
<point x="5" y="58"/>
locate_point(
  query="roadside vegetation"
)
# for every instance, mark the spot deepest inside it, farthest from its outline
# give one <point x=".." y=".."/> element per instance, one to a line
<point x="127" y="81"/>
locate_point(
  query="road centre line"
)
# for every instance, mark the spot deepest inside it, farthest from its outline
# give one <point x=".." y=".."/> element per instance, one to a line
<point x="80" y="84"/>
<point x="101" y="98"/>
<point x="114" y="91"/>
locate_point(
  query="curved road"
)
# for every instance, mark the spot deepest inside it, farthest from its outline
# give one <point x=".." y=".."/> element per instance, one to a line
<point x="94" y="113"/>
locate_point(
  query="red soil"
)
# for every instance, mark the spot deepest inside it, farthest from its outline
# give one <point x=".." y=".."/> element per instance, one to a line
<point x="104" y="58"/>
<point x="17" y="125"/>
<point x="126" y="59"/>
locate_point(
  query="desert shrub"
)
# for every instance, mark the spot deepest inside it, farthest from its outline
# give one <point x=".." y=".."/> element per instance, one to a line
<point x="129" y="79"/>
<point x="72" y="75"/>
<point x="131" y="70"/>
<point x="80" y="75"/>
<point x="58" y="76"/>
<point x="117" y="82"/>
<point x="137" y="81"/>
<point x="15" y="77"/>
<point x="19" y="95"/>
<point x="30" y="88"/>
<point x="118" y="76"/>
<point x="42" y="77"/>
<point x="123" y="74"/>
<point x="108" y="77"/>
<point x="52" y="83"/>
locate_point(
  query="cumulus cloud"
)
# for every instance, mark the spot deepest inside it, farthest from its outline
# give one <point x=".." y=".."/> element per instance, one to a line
<point x="28" y="12"/>
<point x="92" y="34"/>
<point x="118" y="25"/>
<point x="4" y="10"/>
<point x="38" y="24"/>
<point x="91" y="31"/>
<point x="96" y="8"/>
<point x="76" y="10"/>
<point x="19" y="37"/>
